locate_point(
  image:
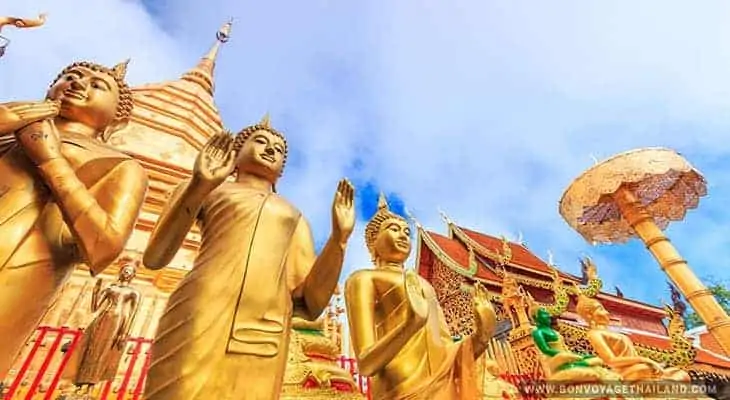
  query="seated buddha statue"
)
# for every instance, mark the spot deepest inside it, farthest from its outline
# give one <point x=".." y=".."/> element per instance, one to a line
<point x="561" y="364"/>
<point x="617" y="350"/>
<point x="313" y="364"/>
<point x="399" y="334"/>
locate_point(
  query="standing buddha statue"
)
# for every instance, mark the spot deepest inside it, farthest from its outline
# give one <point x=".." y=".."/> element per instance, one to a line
<point x="65" y="196"/>
<point x="225" y="330"/>
<point x="104" y="339"/>
<point x="398" y="330"/>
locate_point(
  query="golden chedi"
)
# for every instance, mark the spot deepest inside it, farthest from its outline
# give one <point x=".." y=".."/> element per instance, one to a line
<point x="225" y="330"/>
<point x="313" y="369"/>
<point x="66" y="197"/>
<point x="399" y="333"/>
<point x="104" y="339"/>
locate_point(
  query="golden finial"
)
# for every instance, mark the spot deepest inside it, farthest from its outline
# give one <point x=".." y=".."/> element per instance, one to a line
<point x="266" y="121"/>
<point x="382" y="202"/>
<point x="119" y="71"/>
<point x="444" y="216"/>
<point x="224" y="33"/>
<point x="551" y="261"/>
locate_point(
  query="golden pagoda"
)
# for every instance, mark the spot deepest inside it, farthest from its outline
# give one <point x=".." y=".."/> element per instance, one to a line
<point x="170" y="123"/>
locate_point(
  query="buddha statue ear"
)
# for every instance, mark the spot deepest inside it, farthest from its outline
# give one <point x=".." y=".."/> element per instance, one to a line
<point x="114" y="127"/>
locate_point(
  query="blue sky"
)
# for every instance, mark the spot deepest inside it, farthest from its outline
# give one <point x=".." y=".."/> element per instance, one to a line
<point x="485" y="109"/>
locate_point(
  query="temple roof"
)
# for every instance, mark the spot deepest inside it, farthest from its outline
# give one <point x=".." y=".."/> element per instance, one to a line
<point x="453" y="251"/>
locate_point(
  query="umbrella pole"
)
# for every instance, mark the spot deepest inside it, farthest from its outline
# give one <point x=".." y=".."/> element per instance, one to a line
<point x="696" y="293"/>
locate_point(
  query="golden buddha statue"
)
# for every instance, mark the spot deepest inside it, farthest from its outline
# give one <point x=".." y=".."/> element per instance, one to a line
<point x="103" y="342"/>
<point x="313" y="365"/>
<point x="225" y="330"/>
<point x="65" y="196"/>
<point x="617" y="350"/>
<point x="399" y="333"/>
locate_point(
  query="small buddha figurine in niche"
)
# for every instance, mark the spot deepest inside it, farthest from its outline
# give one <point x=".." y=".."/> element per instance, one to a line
<point x="398" y="330"/>
<point x="66" y="197"/>
<point x="103" y="342"/>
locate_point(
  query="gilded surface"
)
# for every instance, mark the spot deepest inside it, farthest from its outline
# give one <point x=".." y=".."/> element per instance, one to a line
<point x="399" y="333"/>
<point x="665" y="183"/>
<point x="225" y="330"/>
<point x="66" y="197"/>
<point x="103" y="342"/>
<point x="638" y="193"/>
<point x="313" y="366"/>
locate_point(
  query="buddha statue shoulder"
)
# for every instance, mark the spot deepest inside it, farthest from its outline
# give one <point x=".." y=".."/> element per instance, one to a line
<point x="398" y="329"/>
<point x="66" y="197"/>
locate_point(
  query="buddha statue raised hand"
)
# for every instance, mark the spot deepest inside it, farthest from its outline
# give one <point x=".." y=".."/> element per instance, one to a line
<point x="65" y="196"/>
<point x="398" y="330"/>
<point x="225" y="330"/>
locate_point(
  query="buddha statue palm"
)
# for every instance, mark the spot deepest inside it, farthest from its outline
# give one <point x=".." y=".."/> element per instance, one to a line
<point x="225" y="330"/>
<point x="65" y="196"/>
<point x="398" y="330"/>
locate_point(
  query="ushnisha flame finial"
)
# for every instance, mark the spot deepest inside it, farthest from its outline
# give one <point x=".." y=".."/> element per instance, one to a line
<point x="119" y="71"/>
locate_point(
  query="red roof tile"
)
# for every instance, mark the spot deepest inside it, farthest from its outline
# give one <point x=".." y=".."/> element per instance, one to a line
<point x="707" y="341"/>
<point x="459" y="253"/>
<point x="521" y="256"/>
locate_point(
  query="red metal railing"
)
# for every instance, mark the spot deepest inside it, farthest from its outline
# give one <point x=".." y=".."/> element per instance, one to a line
<point x="54" y="361"/>
<point x="57" y="336"/>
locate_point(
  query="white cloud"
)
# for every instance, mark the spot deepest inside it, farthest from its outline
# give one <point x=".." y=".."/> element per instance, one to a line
<point x="486" y="110"/>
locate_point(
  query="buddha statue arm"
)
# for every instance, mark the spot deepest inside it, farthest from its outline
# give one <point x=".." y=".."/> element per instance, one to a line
<point x="604" y="351"/>
<point x="485" y="321"/>
<point x="174" y="224"/>
<point x="320" y="273"/>
<point x="99" y="225"/>
<point x="98" y="297"/>
<point x="373" y="353"/>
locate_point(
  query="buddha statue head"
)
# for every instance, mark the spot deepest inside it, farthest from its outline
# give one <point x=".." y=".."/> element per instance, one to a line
<point x="261" y="151"/>
<point x="94" y="96"/>
<point x="388" y="236"/>
<point x="592" y="311"/>
<point x="128" y="269"/>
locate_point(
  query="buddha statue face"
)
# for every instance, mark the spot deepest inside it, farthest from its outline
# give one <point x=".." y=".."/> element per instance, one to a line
<point x="543" y="318"/>
<point x="127" y="273"/>
<point x="88" y="96"/>
<point x="592" y="311"/>
<point x="393" y="243"/>
<point x="262" y="154"/>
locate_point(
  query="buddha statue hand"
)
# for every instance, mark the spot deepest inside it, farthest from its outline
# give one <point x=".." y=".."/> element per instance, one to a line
<point x="215" y="161"/>
<point x="343" y="211"/>
<point x="486" y="316"/>
<point x="417" y="310"/>
<point x="40" y="141"/>
<point x="16" y="115"/>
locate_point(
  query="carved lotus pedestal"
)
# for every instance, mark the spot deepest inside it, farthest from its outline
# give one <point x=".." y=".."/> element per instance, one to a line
<point x="313" y="370"/>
